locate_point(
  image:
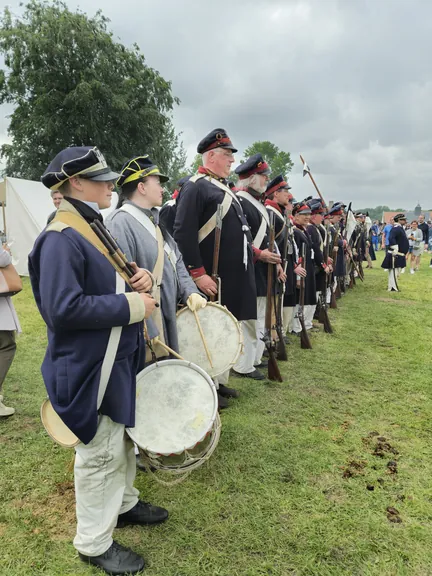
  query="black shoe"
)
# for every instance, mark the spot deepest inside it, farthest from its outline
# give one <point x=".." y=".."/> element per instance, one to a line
<point x="255" y="375"/>
<point x="140" y="465"/>
<point x="262" y="364"/>
<point x="265" y="353"/>
<point x="226" y="392"/>
<point x="143" y="513"/>
<point x="116" y="560"/>
<point x="222" y="402"/>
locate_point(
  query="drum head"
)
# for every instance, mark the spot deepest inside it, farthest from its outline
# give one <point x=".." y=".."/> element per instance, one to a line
<point x="176" y="405"/>
<point x="56" y="428"/>
<point x="221" y="331"/>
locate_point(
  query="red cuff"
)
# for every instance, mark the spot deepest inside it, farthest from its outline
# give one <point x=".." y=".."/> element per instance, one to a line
<point x="256" y="254"/>
<point x="197" y="272"/>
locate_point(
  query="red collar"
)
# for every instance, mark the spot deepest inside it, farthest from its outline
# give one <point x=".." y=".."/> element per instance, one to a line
<point x="275" y="205"/>
<point x="204" y="170"/>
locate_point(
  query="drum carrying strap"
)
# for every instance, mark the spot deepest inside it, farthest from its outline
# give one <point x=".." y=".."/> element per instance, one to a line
<point x="157" y="272"/>
<point x="210" y="225"/>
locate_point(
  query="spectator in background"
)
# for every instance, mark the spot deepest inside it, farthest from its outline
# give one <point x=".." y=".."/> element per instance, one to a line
<point x="386" y="233"/>
<point x="9" y="324"/>
<point x="375" y="234"/>
<point x="415" y="238"/>
<point x="425" y="241"/>
<point x="57" y="197"/>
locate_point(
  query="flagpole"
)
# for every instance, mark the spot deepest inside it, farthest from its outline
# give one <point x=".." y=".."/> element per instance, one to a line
<point x="313" y="181"/>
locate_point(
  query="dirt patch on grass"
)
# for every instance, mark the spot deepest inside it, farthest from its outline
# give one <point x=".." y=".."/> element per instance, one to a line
<point x="56" y="512"/>
<point x="391" y="301"/>
<point x="354" y="468"/>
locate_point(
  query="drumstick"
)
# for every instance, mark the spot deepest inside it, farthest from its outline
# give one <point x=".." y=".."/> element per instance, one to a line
<point x="170" y="350"/>
<point x="203" y="338"/>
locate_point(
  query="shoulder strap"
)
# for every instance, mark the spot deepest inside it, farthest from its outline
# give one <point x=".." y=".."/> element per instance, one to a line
<point x="65" y="220"/>
<point x="260" y="207"/>
<point x="111" y="351"/>
<point x="210" y="225"/>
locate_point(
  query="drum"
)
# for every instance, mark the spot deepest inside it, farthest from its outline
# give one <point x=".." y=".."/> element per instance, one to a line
<point x="177" y="425"/>
<point x="221" y="331"/>
<point x="56" y="428"/>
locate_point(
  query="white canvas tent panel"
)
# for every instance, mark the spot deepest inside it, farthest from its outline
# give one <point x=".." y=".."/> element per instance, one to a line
<point x="28" y="205"/>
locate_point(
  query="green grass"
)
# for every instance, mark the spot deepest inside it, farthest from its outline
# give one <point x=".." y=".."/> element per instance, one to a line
<point x="285" y="492"/>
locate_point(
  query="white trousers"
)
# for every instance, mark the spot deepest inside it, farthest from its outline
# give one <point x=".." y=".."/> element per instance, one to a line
<point x="287" y="317"/>
<point x="104" y="475"/>
<point x="308" y="313"/>
<point x="391" y="281"/>
<point x="253" y="346"/>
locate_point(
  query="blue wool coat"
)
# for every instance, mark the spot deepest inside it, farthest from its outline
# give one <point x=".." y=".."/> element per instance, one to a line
<point x="74" y="286"/>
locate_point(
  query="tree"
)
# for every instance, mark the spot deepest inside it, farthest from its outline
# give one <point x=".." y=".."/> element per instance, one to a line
<point x="71" y="84"/>
<point x="280" y="162"/>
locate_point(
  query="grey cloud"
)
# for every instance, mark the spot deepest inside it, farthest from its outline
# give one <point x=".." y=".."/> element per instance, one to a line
<point x="346" y="83"/>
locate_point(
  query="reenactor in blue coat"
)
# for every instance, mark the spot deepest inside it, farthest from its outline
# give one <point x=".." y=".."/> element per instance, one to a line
<point x="395" y="258"/>
<point x="279" y="201"/>
<point x="253" y="179"/>
<point x="168" y="211"/>
<point x="194" y="232"/>
<point x="318" y="235"/>
<point x="82" y="298"/>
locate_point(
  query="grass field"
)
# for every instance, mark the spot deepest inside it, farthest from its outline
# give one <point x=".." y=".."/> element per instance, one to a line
<point x="304" y="474"/>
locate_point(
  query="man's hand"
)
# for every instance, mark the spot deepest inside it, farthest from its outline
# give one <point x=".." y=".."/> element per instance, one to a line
<point x="6" y="247"/>
<point x="300" y="271"/>
<point x="149" y="303"/>
<point x="141" y="281"/>
<point x="269" y="257"/>
<point x="327" y="269"/>
<point x="329" y="261"/>
<point x="281" y="274"/>
<point x="207" y="285"/>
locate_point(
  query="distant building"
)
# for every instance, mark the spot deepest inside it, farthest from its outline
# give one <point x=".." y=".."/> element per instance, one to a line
<point x="410" y="214"/>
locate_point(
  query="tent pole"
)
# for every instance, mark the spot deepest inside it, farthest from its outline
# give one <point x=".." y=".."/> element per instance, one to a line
<point x="4" y="218"/>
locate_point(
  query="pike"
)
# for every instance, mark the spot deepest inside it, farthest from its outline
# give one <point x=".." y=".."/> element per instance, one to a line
<point x="306" y="170"/>
<point x="215" y="269"/>
<point x="273" y="368"/>
<point x="304" y="336"/>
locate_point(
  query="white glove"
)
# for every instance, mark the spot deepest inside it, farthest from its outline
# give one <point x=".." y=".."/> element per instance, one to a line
<point x="394" y="249"/>
<point x="195" y="302"/>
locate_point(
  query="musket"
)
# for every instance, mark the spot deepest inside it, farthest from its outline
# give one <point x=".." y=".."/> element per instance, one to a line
<point x="281" y="353"/>
<point x="215" y="270"/>
<point x="273" y="368"/>
<point x="304" y="336"/>
<point x="323" y="313"/>
<point x="333" y="290"/>
<point x="110" y="244"/>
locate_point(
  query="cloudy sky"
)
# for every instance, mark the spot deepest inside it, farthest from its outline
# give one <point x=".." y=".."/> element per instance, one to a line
<point x="346" y="83"/>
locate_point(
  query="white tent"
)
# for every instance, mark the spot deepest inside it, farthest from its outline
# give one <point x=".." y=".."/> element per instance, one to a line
<point x="28" y="205"/>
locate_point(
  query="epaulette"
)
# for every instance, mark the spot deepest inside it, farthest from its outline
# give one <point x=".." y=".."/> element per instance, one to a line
<point x="197" y="177"/>
<point x="56" y="227"/>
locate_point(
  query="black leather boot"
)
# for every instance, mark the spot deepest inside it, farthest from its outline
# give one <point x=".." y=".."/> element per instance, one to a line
<point x="116" y="560"/>
<point x="143" y="513"/>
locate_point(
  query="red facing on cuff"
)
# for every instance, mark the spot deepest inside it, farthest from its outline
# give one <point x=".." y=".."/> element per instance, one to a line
<point x="197" y="272"/>
<point x="256" y="254"/>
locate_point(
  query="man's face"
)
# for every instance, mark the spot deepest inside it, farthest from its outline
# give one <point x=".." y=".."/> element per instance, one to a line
<point x="282" y="197"/>
<point x="221" y="161"/>
<point x="421" y="219"/>
<point x="391" y="220"/>
<point x="335" y="219"/>
<point x="302" y="219"/>
<point x="317" y="219"/>
<point x="57" y="197"/>
<point x="414" y="225"/>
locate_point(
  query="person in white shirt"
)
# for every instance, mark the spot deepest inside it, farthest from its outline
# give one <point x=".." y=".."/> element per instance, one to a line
<point x="9" y="325"/>
<point x="415" y="238"/>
